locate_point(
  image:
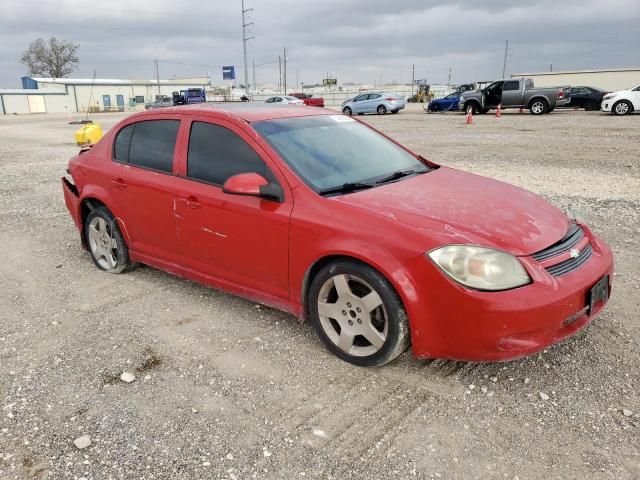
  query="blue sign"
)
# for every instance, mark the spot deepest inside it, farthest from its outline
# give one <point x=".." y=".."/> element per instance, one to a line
<point x="229" y="73"/>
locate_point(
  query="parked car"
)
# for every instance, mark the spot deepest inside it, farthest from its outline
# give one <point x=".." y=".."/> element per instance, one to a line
<point x="622" y="102"/>
<point x="373" y="102"/>
<point x="189" y="96"/>
<point x="318" y="214"/>
<point x="445" y="104"/>
<point x="309" y="100"/>
<point x="515" y="93"/>
<point x="284" y="100"/>
<point x="161" y="101"/>
<point x="588" y="98"/>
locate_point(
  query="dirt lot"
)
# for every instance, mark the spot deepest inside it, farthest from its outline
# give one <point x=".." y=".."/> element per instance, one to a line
<point x="228" y="389"/>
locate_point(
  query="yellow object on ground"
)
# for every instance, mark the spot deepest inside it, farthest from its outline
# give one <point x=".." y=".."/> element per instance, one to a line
<point x="89" y="133"/>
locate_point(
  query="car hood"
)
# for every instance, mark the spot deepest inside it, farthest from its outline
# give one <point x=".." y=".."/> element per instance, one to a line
<point x="452" y="206"/>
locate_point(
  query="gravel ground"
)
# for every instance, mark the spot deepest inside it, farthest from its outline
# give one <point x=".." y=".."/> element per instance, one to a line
<point x="228" y="389"/>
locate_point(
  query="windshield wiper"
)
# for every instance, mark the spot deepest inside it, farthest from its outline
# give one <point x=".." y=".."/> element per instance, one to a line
<point x="399" y="174"/>
<point x="346" y="188"/>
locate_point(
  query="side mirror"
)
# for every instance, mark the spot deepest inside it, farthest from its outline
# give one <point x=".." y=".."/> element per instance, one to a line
<point x="253" y="185"/>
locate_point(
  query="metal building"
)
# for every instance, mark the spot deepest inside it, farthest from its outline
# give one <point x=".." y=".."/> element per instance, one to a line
<point x="607" y="79"/>
<point x="69" y="95"/>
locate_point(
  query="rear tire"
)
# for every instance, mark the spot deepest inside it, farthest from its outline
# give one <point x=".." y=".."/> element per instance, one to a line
<point x="381" y="110"/>
<point x="622" y="107"/>
<point x="347" y="111"/>
<point x="538" y="107"/>
<point x="105" y="242"/>
<point x="357" y="314"/>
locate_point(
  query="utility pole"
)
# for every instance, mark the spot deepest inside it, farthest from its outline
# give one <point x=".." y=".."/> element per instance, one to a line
<point x="413" y="77"/>
<point x="449" y="83"/>
<point x="297" y="77"/>
<point x="157" y="76"/>
<point x="253" y="64"/>
<point x="279" y="73"/>
<point x="244" y="46"/>
<point x="284" y="71"/>
<point x="551" y="67"/>
<point x="504" y="64"/>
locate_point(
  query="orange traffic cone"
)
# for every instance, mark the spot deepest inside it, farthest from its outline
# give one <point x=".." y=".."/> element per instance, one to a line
<point x="499" y="111"/>
<point x="469" y="116"/>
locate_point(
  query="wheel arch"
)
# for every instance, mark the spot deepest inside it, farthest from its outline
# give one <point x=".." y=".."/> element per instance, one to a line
<point x="319" y="263"/>
<point x="89" y="202"/>
<point x="538" y="97"/>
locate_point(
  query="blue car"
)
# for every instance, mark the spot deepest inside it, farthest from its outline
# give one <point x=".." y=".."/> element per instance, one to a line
<point x="448" y="103"/>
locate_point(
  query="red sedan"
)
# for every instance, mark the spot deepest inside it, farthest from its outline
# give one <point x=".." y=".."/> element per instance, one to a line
<point x="322" y="216"/>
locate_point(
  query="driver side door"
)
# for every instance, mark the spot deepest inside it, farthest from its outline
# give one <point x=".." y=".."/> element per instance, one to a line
<point x="240" y="239"/>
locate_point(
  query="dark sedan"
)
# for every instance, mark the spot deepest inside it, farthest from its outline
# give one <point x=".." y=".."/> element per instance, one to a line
<point x="588" y="98"/>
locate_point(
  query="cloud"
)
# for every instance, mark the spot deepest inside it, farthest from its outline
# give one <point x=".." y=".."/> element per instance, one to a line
<point x="354" y="40"/>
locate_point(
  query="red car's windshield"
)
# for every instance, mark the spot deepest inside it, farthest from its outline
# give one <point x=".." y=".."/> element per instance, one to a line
<point x="328" y="151"/>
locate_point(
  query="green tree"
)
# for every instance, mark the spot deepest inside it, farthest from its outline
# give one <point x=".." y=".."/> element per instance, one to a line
<point x="55" y="58"/>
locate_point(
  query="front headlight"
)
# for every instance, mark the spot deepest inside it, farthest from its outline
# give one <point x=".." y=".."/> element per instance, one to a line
<point x="608" y="97"/>
<point x="480" y="268"/>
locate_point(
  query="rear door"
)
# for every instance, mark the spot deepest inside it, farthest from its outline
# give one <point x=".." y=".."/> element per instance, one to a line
<point x="141" y="180"/>
<point x="578" y="96"/>
<point x="240" y="239"/>
<point x="511" y="93"/>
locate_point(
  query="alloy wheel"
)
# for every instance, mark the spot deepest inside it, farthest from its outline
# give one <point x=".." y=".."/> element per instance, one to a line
<point x="622" y="108"/>
<point x="102" y="243"/>
<point x="537" y="108"/>
<point x="352" y="315"/>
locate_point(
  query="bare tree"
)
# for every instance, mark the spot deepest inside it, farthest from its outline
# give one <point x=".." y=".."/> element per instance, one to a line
<point x="55" y="58"/>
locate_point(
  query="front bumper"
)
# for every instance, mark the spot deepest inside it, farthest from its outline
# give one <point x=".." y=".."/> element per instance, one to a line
<point x="453" y="322"/>
<point x="606" y="105"/>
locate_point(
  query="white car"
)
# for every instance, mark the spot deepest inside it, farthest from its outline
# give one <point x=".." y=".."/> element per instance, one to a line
<point x="622" y="102"/>
<point x="284" y="99"/>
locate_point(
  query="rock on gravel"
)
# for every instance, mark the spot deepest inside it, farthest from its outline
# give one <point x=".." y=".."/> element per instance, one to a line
<point x="544" y="396"/>
<point x="127" y="377"/>
<point x="82" y="442"/>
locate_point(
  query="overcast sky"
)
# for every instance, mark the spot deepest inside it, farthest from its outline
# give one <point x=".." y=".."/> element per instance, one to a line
<point x="354" y="40"/>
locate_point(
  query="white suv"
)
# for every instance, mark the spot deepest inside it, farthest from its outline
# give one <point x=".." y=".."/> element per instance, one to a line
<point x="622" y="102"/>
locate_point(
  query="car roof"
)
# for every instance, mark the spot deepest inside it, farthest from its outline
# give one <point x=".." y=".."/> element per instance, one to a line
<point x="247" y="111"/>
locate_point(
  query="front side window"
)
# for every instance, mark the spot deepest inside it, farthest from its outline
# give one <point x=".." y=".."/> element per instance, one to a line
<point x="216" y="153"/>
<point x="147" y="144"/>
<point x="328" y="151"/>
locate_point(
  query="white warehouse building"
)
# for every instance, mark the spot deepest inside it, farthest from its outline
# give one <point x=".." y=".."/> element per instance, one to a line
<point x="611" y="80"/>
<point x="69" y="95"/>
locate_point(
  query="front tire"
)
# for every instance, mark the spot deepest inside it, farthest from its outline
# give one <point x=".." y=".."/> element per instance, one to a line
<point x="381" y="110"/>
<point x="347" y="111"/>
<point x="590" y="106"/>
<point x="105" y="242"/>
<point x="622" y="107"/>
<point x="358" y="314"/>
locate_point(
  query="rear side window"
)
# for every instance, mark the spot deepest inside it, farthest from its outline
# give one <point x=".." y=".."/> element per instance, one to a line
<point x="121" y="146"/>
<point x="148" y="144"/>
<point x="216" y="153"/>
<point x="511" y="86"/>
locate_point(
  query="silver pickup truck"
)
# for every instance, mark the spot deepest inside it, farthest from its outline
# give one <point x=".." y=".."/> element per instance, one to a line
<point x="515" y="93"/>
